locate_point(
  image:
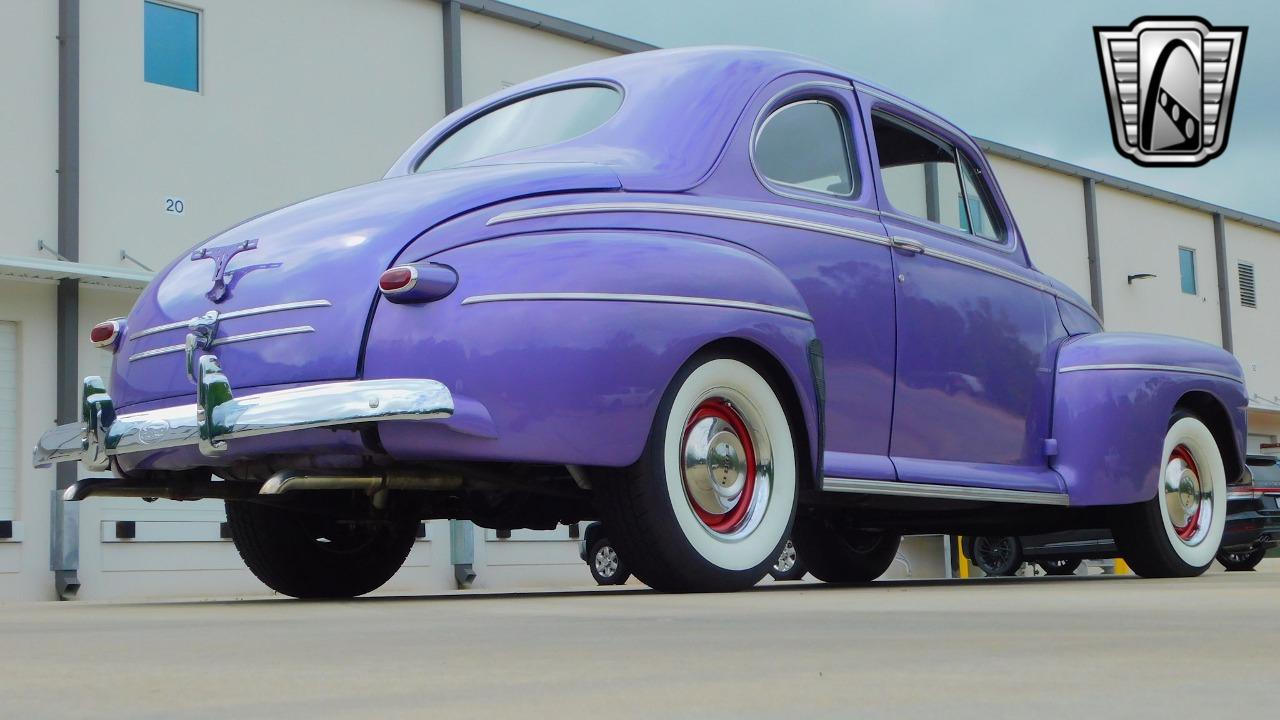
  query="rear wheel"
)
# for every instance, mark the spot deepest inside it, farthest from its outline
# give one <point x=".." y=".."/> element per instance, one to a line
<point x="311" y="554"/>
<point x="836" y="551"/>
<point x="1059" y="567"/>
<point x="711" y="500"/>
<point x="997" y="556"/>
<point x="1177" y="533"/>
<point x="1242" y="560"/>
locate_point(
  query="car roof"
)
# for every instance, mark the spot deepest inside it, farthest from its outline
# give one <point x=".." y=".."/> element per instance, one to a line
<point x="677" y="100"/>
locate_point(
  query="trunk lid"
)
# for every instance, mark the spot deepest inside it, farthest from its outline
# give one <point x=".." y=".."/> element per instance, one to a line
<point x="299" y="282"/>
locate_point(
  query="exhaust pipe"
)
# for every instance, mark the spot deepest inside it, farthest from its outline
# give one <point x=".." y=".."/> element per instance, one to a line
<point x="173" y="490"/>
<point x="289" y="481"/>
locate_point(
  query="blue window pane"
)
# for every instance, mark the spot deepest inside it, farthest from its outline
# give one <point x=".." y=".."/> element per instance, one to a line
<point x="1187" y="267"/>
<point x="171" y="46"/>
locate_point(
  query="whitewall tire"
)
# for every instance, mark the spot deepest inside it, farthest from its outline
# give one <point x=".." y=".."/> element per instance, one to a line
<point x="711" y="502"/>
<point x="1178" y="532"/>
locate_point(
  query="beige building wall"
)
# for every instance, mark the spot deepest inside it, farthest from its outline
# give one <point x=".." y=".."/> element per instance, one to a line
<point x="525" y="54"/>
<point x="28" y="125"/>
<point x="24" y="561"/>
<point x="1255" y="331"/>
<point x="298" y="98"/>
<point x="1049" y="209"/>
<point x="1141" y="235"/>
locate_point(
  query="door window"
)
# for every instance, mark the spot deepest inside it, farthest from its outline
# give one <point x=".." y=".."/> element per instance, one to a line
<point x="925" y="177"/>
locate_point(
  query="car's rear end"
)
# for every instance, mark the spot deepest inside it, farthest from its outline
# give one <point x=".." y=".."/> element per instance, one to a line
<point x="1253" y="519"/>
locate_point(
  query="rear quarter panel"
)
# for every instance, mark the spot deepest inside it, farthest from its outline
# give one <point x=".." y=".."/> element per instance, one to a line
<point x="577" y="381"/>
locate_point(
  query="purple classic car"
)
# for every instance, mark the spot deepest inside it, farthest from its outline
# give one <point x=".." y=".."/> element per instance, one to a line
<point x="702" y="295"/>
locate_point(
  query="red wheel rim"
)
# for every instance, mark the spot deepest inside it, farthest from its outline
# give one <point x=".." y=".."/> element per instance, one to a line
<point x="718" y="409"/>
<point x="1188" y="530"/>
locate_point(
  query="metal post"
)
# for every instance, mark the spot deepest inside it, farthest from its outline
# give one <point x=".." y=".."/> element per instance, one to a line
<point x="64" y="541"/>
<point x="1224" y="290"/>
<point x="462" y="543"/>
<point x="932" y="205"/>
<point x="1091" y="238"/>
<point x="452" y="17"/>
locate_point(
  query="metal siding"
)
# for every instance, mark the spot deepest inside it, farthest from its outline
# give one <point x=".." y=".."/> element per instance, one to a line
<point x="8" y="419"/>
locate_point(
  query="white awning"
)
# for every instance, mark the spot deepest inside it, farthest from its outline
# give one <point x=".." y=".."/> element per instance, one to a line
<point x="36" y="268"/>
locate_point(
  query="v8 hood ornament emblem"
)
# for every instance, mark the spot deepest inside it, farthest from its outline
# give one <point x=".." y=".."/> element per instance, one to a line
<point x="222" y="256"/>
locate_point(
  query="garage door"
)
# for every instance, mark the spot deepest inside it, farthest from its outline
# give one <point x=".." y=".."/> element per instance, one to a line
<point x="8" y="418"/>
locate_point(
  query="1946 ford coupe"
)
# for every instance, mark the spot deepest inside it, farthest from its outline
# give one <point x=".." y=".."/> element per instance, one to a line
<point x="703" y="295"/>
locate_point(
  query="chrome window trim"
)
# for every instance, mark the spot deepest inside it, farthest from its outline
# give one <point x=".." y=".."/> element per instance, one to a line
<point x="1152" y="367"/>
<point x="261" y="334"/>
<point x="768" y="219"/>
<point x="628" y="297"/>
<point x="949" y="492"/>
<point x="247" y="312"/>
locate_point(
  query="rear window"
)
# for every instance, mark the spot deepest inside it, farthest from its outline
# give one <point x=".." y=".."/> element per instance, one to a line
<point x="543" y="119"/>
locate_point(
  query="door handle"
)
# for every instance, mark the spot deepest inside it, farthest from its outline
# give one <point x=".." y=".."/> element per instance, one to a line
<point x="914" y="247"/>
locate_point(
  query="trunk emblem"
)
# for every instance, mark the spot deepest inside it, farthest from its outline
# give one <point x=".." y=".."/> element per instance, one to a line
<point x="222" y="256"/>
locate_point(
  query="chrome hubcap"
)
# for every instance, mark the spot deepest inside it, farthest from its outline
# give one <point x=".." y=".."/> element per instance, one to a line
<point x="606" y="562"/>
<point x="1188" y="501"/>
<point x="726" y="464"/>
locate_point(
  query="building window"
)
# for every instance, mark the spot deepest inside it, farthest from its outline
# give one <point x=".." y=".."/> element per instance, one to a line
<point x="1187" y="269"/>
<point x="1248" y="285"/>
<point x="171" y="46"/>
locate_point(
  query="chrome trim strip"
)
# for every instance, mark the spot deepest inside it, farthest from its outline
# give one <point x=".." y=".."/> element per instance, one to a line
<point x="682" y="209"/>
<point x="950" y="492"/>
<point x="261" y="334"/>
<point x="267" y="413"/>
<point x="624" y="297"/>
<point x="779" y="220"/>
<point x="1148" y="366"/>
<point x="182" y="324"/>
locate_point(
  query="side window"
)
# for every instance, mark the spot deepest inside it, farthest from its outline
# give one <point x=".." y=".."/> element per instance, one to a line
<point x="804" y="145"/>
<point x="976" y="204"/>
<point x="925" y="177"/>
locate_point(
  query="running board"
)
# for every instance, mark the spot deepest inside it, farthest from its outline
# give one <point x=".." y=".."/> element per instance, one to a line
<point x="949" y="492"/>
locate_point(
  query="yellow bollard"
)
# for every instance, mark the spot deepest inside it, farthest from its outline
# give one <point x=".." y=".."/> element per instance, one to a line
<point x="964" y="559"/>
<point x="1122" y="567"/>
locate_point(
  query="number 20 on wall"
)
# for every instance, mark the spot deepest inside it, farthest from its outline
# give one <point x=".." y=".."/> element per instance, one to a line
<point x="174" y="206"/>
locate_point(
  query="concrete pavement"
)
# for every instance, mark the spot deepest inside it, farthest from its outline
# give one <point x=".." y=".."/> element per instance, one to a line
<point x="1048" y="647"/>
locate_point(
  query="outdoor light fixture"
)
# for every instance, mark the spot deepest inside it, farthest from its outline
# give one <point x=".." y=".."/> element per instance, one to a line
<point x="1140" y="276"/>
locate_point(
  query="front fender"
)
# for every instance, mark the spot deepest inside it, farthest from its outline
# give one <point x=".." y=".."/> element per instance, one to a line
<point x="558" y="346"/>
<point x="1114" y="396"/>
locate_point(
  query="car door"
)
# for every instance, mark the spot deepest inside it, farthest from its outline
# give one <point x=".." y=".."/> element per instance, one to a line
<point x="799" y="171"/>
<point x="975" y="329"/>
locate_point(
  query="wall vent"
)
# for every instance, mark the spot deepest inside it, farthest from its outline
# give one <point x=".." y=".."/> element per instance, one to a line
<point x="1248" y="285"/>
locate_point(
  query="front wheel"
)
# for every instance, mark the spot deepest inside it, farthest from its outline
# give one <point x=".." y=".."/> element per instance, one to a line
<point x="1242" y="560"/>
<point x="311" y="554"/>
<point x="1177" y="533"/>
<point x="710" y="502"/>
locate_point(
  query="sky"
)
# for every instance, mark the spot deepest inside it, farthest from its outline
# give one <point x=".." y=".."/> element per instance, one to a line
<point x="1019" y="72"/>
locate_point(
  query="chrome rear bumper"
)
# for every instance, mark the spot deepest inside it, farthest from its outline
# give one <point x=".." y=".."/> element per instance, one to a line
<point x="218" y="417"/>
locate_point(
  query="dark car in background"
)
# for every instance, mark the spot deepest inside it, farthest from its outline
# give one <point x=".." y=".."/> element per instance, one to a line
<point x="598" y="552"/>
<point x="1252" y="528"/>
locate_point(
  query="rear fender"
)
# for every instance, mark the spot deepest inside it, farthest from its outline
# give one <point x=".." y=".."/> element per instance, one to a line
<point x="577" y="379"/>
<point x="1114" y="396"/>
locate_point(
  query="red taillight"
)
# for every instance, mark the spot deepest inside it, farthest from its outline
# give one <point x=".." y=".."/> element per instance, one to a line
<point x="398" y="279"/>
<point x="105" y="334"/>
<point x="420" y="282"/>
